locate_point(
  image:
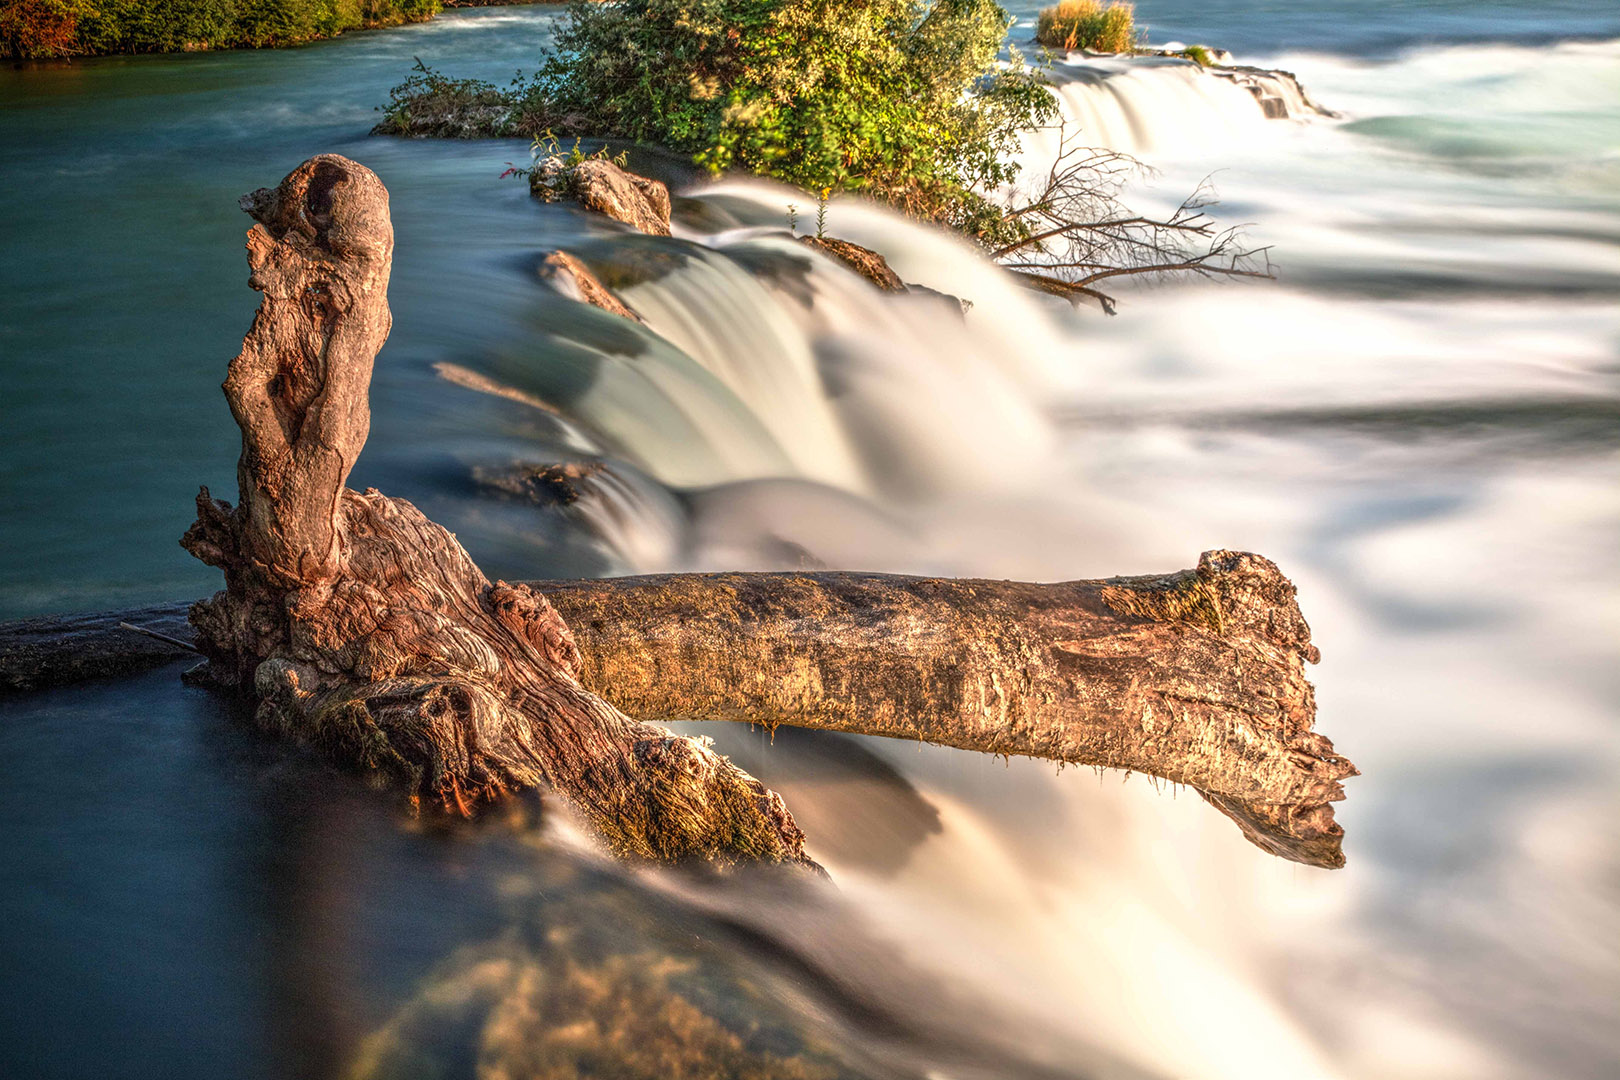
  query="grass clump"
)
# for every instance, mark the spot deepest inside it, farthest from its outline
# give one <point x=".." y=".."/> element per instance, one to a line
<point x="1088" y="24"/>
<point x="1200" y="55"/>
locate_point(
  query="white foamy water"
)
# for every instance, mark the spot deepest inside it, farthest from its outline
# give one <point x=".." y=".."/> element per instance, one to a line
<point x="1417" y="422"/>
<point x="1145" y="107"/>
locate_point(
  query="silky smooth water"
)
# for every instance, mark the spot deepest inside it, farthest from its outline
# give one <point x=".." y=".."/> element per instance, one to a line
<point x="1418" y="421"/>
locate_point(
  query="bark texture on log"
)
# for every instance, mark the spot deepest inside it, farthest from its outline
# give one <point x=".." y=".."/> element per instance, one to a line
<point x="1196" y="677"/>
<point x="364" y="628"/>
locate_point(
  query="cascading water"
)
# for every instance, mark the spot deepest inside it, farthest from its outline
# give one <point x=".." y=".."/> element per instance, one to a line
<point x="1038" y="880"/>
<point x="1147" y="105"/>
<point x="768" y="372"/>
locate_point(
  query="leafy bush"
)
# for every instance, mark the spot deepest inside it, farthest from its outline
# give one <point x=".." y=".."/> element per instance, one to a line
<point x="39" y="27"/>
<point x="1200" y="55"/>
<point x="43" y="28"/>
<point x="1088" y="24"/>
<point x="903" y="100"/>
<point x="430" y="104"/>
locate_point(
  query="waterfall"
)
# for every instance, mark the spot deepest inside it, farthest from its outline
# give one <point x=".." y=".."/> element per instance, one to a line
<point x="787" y="365"/>
<point x="1144" y="105"/>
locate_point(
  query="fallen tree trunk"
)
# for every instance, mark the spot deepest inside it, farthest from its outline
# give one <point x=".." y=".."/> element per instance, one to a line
<point x="57" y="650"/>
<point x="363" y="628"/>
<point x="1195" y="677"/>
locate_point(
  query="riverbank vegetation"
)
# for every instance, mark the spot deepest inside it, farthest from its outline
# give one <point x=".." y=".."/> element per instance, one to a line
<point x="913" y="103"/>
<point x="1088" y="24"/>
<point x="903" y="102"/>
<point x="42" y="29"/>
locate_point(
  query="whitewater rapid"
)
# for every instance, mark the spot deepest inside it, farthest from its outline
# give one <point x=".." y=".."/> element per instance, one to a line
<point x="1410" y="409"/>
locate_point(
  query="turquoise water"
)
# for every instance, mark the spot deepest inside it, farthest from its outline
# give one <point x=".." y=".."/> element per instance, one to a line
<point x="1418" y="421"/>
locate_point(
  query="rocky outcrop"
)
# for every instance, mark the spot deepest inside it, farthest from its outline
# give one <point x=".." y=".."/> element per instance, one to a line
<point x="571" y="277"/>
<point x="863" y="261"/>
<point x="558" y="484"/>
<point x="599" y="184"/>
<point x="1280" y="93"/>
<point x="876" y="269"/>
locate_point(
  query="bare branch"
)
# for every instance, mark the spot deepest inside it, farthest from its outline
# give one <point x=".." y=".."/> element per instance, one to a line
<point x="1076" y="229"/>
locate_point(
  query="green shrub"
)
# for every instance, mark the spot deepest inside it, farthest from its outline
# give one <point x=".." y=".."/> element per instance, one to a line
<point x="1200" y="55"/>
<point x="40" y="28"/>
<point x="430" y="104"/>
<point x="1088" y="24"/>
<point x="903" y="100"/>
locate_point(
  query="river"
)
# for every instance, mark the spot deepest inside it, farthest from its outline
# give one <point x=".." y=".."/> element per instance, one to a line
<point x="1419" y="421"/>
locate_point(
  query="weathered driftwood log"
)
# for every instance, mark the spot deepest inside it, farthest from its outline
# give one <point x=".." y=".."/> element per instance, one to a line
<point x="365" y="629"/>
<point x="1196" y="677"/>
<point x="57" y="650"/>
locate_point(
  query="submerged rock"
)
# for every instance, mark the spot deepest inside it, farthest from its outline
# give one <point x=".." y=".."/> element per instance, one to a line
<point x="544" y="485"/>
<point x="601" y="185"/>
<point x="876" y="269"/>
<point x="571" y="277"/>
<point x="1280" y="93"/>
<point x="863" y="261"/>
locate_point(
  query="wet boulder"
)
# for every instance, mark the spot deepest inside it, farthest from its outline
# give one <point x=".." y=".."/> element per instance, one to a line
<point x="863" y="261"/>
<point x="599" y="184"/>
<point x="568" y="275"/>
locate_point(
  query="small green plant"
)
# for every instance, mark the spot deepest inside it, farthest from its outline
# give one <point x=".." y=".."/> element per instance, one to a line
<point x="1200" y="55"/>
<point x="793" y="219"/>
<point x="1089" y="24"/>
<point x="551" y="169"/>
<point x="821" y="214"/>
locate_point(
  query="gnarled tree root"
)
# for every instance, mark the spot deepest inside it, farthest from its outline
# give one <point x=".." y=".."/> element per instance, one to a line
<point x="363" y="627"/>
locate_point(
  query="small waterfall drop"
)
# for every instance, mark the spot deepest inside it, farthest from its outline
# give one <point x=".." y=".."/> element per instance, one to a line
<point x="1148" y="105"/>
<point x="746" y="334"/>
<point x="823" y="378"/>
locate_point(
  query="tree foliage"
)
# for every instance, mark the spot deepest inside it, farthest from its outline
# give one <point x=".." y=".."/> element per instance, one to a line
<point x="910" y="102"/>
<point x="906" y="101"/>
<point x="46" y="28"/>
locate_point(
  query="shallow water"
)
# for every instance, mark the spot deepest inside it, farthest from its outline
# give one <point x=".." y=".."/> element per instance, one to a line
<point x="1417" y="421"/>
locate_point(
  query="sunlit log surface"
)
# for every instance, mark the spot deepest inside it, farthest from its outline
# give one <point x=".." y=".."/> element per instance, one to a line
<point x="1196" y="677"/>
